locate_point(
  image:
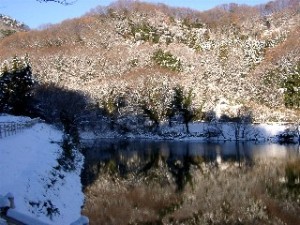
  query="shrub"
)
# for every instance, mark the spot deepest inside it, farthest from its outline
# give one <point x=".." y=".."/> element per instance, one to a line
<point x="192" y="23"/>
<point x="6" y="33"/>
<point x="146" y="32"/>
<point x="223" y="54"/>
<point x="66" y="160"/>
<point x="167" y="60"/>
<point x="153" y="114"/>
<point x="154" y="106"/>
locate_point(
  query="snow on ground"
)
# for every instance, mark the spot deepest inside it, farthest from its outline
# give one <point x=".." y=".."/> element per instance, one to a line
<point x="4" y="118"/>
<point x="28" y="169"/>
<point x="203" y="131"/>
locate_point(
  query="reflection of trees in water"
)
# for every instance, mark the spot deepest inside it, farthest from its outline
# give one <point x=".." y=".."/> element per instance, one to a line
<point x="180" y="169"/>
<point x="168" y="161"/>
<point x="155" y="161"/>
<point x="150" y="183"/>
<point x="242" y="156"/>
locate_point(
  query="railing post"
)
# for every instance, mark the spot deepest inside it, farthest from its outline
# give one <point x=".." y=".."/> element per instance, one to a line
<point x="5" y="130"/>
<point x="12" y="128"/>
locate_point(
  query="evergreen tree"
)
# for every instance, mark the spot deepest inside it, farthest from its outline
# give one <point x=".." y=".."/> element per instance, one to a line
<point x="292" y="88"/>
<point x="15" y="88"/>
<point x="181" y="106"/>
<point x="70" y="127"/>
<point x="70" y="142"/>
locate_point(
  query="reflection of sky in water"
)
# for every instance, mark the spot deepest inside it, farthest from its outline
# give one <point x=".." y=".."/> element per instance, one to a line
<point x="275" y="151"/>
<point x="142" y="150"/>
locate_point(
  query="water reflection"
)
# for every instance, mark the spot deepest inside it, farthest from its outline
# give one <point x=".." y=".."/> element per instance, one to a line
<point x="139" y="156"/>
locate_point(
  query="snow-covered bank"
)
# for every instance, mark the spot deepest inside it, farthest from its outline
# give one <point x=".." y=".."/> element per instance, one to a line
<point x="29" y="169"/>
<point x="16" y="119"/>
<point x="204" y="131"/>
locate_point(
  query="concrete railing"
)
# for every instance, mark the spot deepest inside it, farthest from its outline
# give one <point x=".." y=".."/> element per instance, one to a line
<point x="12" y="128"/>
<point x="8" y="211"/>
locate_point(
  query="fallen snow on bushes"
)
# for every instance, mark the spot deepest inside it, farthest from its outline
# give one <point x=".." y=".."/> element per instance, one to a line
<point x="29" y="170"/>
<point x="202" y="131"/>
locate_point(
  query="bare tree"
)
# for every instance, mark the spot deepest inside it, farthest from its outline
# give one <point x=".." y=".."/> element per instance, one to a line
<point x="63" y="2"/>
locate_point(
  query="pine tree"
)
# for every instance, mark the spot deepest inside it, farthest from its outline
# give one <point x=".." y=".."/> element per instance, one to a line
<point x="292" y="88"/>
<point x="15" y="88"/>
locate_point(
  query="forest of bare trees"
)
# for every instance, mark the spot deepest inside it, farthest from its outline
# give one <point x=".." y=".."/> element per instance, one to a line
<point x="140" y="52"/>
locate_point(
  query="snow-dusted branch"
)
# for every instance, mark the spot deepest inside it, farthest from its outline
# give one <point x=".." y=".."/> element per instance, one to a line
<point x="64" y="2"/>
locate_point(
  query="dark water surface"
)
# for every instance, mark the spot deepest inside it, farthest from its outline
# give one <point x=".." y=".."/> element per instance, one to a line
<point x="127" y="156"/>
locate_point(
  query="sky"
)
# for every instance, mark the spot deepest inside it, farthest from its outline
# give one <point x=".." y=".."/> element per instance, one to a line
<point x="34" y="13"/>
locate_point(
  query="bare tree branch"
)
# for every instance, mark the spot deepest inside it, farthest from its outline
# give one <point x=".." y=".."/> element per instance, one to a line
<point x="63" y="2"/>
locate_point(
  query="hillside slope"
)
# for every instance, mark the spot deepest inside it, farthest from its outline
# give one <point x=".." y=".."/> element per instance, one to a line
<point x="139" y="52"/>
<point x="9" y="26"/>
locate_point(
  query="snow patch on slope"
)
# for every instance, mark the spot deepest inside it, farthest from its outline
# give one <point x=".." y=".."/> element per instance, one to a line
<point x="29" y="169"/>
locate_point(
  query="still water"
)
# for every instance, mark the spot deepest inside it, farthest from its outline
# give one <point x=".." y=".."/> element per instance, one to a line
<point x="185" y="182"/>
<point x="133" y="155"/>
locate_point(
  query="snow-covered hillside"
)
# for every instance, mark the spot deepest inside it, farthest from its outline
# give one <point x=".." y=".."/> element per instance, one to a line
<point x="29" y="170"/>
<point x="133" y="54"/>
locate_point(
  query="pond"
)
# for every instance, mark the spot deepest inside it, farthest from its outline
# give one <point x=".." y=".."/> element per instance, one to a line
<point x="131" y="155"/>
<point x="155" y="182"/>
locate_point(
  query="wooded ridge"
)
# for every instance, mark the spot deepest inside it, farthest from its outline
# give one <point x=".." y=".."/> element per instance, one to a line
<point x="129" y="58"/>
